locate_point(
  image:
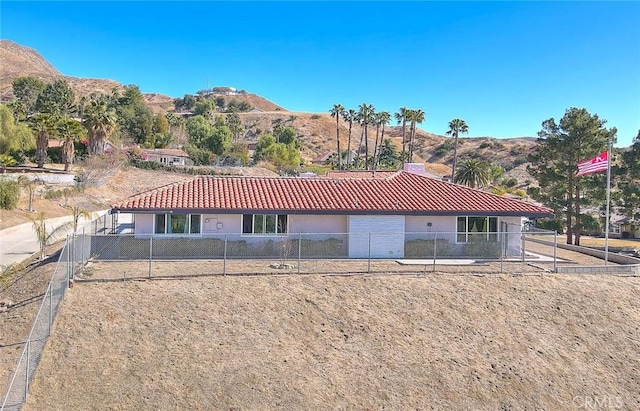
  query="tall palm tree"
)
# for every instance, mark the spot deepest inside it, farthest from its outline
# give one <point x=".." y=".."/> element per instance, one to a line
<point x="456" y="126"/>
<point x="366" y="112"/>
<point x="401" y="118"/>
<point x="338" y="111"/>
<point x="382" y="118"/>
<point x="350" y="116"/>
<point x="473" y="173"/>
<point x="416" y="117"/>
<point x="69" y="130"/>
<point x="100" y="121"/>
<point x="43" y="124"/>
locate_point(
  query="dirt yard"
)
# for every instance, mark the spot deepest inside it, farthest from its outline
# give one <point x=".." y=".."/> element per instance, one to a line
<point x="440" y="341"/>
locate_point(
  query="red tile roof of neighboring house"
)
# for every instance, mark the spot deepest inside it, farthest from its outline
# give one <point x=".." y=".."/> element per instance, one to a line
<point x="399" y="193"/>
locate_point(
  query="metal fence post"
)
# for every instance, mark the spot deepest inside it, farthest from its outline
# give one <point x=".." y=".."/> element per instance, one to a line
<point x="26" y="371"/>
<point x="50" y="291"/>
<point x="150" y="253"/>
<point x="224" y="255"/>
<point x="502" y="250"/>
<point x="369" y="259"/>
<point x="523" y="245"/>
<point x="299" y="250"/>
<point x="555" y="251"/>
<point x="435" y="251"/>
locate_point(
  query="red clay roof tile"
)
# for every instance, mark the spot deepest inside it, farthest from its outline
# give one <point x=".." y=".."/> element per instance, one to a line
<point x="396" y="193"/>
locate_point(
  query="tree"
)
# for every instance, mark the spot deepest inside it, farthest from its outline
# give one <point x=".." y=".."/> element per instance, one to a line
<point x="57" y="98"/>
<point x="100" y="122"/>
<point x="415" y="117"/>
<point x="43" y="125"/>
<point x="401" y="118"/>
<point x="388" y="157"/>
<point x="26" y="90"/>
<point x="13" y="136"/>
<point x="473" y="173"/>
<point x="338" y="111"/>
<point x="44" y="236"/>
<point x="31" y="185"/>
<point x="235" y="125"/>
<point x="561" y="146"/>
<point x="350" y="116"/>
<point x="456" y="126"/>
<point x="381" y="119"/>
<point x="366" y="113"/>
<point x="69" y="130"/>
<point x="628" y="182"/>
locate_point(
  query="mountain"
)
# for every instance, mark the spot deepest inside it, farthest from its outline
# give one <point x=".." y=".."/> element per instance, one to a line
<point x="317" y="131"/>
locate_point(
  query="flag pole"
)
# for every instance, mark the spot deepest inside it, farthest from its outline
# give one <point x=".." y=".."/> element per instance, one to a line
<point x="606" y="225"/>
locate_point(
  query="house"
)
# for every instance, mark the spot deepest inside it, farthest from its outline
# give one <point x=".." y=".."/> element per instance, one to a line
<point x="367" y="216"/>
<point x="166" y="156"/>
<point x="624" y="227"/>
<point x="324" y="158"/>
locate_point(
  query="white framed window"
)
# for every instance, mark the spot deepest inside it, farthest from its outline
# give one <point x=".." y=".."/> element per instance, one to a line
<point x="264" y="223"/>
<point x="177" y="224"/>
<point x="476" y="228"/>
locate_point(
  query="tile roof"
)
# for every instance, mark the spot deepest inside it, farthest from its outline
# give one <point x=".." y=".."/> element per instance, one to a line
<point x="399" y="193"/>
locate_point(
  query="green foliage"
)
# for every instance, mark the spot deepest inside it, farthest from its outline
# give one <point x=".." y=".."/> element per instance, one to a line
<point x="57" y="98"/>
<point x="9" y="194"/>
<point x="204" y="108"/>
<point x="186" y="103"/>
<point x="316" y="117"/>
<point x="388" y="156"/>
<point x="420" y="248"/>
<point x="13" y="136"/>
<point x="561" y="146"/>
<point x="199" y="156"/>
<point x="235" y="106"/>
<point x="27" y="90"/>
<point x="473" y="173"/>
<point x="283" y="156"/>
<point x="482" y="248"/>
<point x="214" y="138"/>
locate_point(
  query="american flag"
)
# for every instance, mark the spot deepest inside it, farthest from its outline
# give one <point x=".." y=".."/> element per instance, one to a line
<point x="593" y="165"/>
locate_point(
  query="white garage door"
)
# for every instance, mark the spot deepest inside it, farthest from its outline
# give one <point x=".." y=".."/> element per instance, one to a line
<point x="386" y="234"/>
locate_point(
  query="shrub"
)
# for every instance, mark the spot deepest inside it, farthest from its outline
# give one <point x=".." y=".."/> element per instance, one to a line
<point x="482" y="248"/>
<point x="9" y="194"/>
<point x="315" y="117"/>
<point x="424" y="248"/>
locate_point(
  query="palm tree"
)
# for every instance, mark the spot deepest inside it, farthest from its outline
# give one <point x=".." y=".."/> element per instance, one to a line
<point x="43" y="125"/>
<point x="349" y="116"/>
<point x="473" y="173"/>
<point x="100" y="121"/>
<point x="338" y="111"/>
<point x="44" y="236"/>
<point x="416" y="117"/>
<point x="456" y="126"/>
<point x="401" y="117"/>
<point x="69" y="130"/>
<point x="382" y="118"/>
<point x="367" y="111"/>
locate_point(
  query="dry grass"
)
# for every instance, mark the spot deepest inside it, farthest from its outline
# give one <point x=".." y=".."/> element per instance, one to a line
<point x="344" y="342"/>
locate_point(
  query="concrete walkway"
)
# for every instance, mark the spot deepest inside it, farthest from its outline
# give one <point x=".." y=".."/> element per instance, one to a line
<point x="19" y="242"/>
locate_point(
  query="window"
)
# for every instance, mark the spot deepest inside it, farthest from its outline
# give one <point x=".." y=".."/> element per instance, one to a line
<point x="264" y="223"/>
<point x="471" y="229"/>
<point x="177" y="223"/>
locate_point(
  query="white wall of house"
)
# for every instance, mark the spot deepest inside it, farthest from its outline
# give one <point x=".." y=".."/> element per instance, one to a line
<point x="221" y="223"/>
<point x="318" y="224"/>
<point x="144" y="223"/>
<point x="386" y="238"/>
<point x="514" y="237"/>
<point x="418" y="226"/>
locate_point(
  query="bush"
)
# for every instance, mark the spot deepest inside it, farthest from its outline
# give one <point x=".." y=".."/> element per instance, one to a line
<point x="424" y="248"/>
<point x="482" y="248"/>
<point x="315" y="117"/>
<point x="9" y="194"/>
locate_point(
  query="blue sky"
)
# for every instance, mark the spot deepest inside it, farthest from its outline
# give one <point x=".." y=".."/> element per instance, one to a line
<point x="504" y="67"/>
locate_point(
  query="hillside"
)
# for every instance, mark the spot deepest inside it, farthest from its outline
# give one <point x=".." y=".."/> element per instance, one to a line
<point x="464" y="342"/>
<point x="316" y="131"/>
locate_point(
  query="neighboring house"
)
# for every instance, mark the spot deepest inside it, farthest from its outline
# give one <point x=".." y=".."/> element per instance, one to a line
<point x="166" y="156"/>
<point x="324" y="158"/>
<point x="624" y="227"/>
<point x="390" y="211"/>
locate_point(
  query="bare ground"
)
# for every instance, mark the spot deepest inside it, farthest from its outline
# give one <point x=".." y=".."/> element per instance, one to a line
<point x="440" y="341"/>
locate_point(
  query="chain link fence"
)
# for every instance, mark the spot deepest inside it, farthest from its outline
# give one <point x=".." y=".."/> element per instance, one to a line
<point x="18" y="387"/>
<point x="147" y="256"/>
<point x="98" y="251"/>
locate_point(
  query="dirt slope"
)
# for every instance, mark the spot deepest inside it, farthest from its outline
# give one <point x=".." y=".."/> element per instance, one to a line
<point x="314" y="342"/>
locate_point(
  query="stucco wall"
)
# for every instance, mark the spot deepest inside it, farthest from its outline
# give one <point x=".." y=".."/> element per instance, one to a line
<point x="221" y="223"/>
<point x="144" y="223"/>
<point x="317" y="224"/>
